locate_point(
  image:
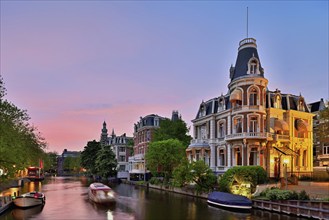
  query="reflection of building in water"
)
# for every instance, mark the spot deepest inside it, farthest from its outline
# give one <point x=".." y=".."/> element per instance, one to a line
<point x="251" y="125"/>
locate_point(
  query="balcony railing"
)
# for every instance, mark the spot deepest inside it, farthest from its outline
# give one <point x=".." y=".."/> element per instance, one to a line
<point x="248" y="108"/>
<point x="323" y="156"/>
<point x="281" y="137"/>
<point x="199" y="141"/>
<point x="260" y="135"/>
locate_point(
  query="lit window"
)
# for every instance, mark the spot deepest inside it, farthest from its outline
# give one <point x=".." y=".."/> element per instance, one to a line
<point x="253" y="97"/>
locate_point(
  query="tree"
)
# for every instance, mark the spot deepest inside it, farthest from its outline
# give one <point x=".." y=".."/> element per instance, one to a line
<point x="72" y="164"/>
<point x="323" y="127"/>
<point x="173" y="129"/>
<point x="106" y="163"/>
<point x="21" y="144"/>
<point x="197" y="172"/>
<point x="164" y="156"/>
<point x="89" y="155"/>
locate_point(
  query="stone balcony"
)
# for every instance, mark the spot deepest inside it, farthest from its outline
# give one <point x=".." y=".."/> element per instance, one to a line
<point x="248" y="135"/>
<point x="323" y="156"/>
<point x="281" y="137"/>
<point x="247" y="108"/>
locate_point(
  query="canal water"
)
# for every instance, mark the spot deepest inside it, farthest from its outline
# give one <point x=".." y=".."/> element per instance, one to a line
<point x="66" y="199"/>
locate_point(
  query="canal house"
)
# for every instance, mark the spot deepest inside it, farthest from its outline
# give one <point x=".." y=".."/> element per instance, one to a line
<point x="252" y="125"/>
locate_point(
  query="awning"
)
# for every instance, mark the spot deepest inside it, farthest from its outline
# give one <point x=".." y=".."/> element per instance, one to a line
<point x="301" y="125"/>
<point x="286" y="151"/>
<point x="236" y="95"/>
<point x="280" y="125"/>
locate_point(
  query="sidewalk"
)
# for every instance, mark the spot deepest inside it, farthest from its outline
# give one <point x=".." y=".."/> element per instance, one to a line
<point x="316" y="190"/>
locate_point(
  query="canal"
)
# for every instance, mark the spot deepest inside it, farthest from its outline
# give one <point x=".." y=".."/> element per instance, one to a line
<point x="66" y="199"/>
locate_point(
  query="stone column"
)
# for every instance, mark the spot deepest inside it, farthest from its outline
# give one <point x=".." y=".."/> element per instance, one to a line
<point x="229" y="157"/>
<point x="212" y="145"/>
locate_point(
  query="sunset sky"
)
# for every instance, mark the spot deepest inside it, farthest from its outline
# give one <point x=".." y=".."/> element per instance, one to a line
<point x="74" y="64"/>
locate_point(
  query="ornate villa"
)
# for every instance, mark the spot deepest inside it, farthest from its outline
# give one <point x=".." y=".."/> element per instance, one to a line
<point x="251" y="125"/>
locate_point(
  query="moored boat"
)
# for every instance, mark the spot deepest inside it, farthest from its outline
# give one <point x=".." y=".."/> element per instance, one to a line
<point x="30" y="199"/>
<point x="5" y="203"/>
<point x="35" y="174"/>
<point x="229" y="201"/>
<point x="100" y="193"/>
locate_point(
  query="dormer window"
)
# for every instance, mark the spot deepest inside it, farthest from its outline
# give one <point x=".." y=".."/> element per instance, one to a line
<point x="253" y="66"/>
<point x="277" y="101"/>
<point x="300" y="106"/>
<point x="221" y="104"/>
<point x="202" y="111"/>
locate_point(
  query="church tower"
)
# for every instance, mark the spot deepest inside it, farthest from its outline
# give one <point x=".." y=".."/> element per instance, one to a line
<point x="104" y="135"/>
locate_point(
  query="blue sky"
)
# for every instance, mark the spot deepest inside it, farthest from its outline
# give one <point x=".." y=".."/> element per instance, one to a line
<point x="74" y="64"/>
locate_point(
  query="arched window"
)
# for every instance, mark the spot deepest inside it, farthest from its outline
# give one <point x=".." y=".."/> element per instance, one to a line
<point x="253" y="95"/>
<point x="253" y="124"/>
<point x="253" y="66"/>
<point x="253" y="157"/>
<point x="237" y="125"/>
<point x="301" y="105"/>
<point x="237" y="156"/>
<point x="221" y="158"/>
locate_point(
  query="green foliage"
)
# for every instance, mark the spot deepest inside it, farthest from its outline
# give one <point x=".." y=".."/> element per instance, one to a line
<point x="176" y="129"/>
<point x="164" y="156"/>
<point x="72" y="164"/>
<point x="303" y="195"/>
<point x="89" y="155"/>
<point x="323" y="127"/>
<point x="252" y="175"/>
<point x="155" y="181"/>
<point x="21" y="145"/>
<point x="198" y="173"/>
<point x="278" y="194"/>
<point x="50" y="161"/>
<point x="106" y="163"/>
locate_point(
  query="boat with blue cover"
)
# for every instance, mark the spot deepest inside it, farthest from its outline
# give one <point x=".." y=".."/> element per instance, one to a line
<point x="230" y="201"/>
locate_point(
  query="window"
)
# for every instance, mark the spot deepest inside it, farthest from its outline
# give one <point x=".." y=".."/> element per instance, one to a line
<point x="221" y="106"/>
<point x="253" y="157"/>
<point x="253" y="124"/>
<point x="304" y="162"/>
<point x="325" y="149"/>
<point x="221" y="130"/>
<point x="197" y="155"/>
<point x="122" y="159"/>
<point x="237" y="156"/>
<point x="221" y="158"/>
<point x="122" y="149"/>
<point x="238" y="125"/>
<point x="253" y="67"/>
<point x="253" y="97"/>
<point x="301" y="105"/>
<point x="277" y="102"/>
<point x="297" y="158"/>
<point x="203" y="132"/>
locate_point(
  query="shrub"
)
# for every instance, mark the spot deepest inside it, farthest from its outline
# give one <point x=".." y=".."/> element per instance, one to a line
<point x="252" y="175"/>
<point x="303" y="195"/>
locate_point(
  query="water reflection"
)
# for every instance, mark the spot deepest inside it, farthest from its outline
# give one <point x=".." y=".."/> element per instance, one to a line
<point x="22" y="214"/>
<point x="66" y="198"/>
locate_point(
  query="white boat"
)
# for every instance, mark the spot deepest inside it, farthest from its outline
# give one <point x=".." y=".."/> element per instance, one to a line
<point x="100" y="193"/>
<point x="30" y="199"/>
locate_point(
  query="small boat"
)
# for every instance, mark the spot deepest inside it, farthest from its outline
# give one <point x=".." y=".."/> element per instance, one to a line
<point x="5" y="203"/>
<point x="30" y="199"/>
<point x="100" y="193"/>
<point x="229" y="201"/>
<point x="35" y="174"/>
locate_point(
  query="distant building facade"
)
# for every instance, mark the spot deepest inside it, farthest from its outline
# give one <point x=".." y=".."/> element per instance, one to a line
<point x="143" y="133"/>
<point x="251" y="125"/>
<point x="120" y="147"/>
<point x="61" y="159"/>
<point x="320" y="149"/>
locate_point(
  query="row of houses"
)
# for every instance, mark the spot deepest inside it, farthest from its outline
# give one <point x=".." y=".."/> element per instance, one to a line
<point x="249" y="125"/>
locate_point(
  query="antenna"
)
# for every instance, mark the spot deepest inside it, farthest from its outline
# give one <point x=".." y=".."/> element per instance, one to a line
<point x="247" y="22"/>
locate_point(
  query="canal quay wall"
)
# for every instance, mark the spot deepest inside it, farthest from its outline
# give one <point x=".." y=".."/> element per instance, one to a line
<point x="302" y="208"/>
